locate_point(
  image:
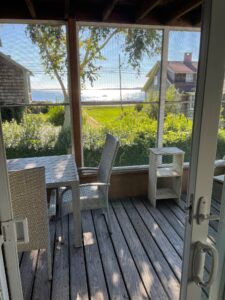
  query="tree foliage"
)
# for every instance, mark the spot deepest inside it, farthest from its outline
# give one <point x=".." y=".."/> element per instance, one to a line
<point x="51" y="41"/>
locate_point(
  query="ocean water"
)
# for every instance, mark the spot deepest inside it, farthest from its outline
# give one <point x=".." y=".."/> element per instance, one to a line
<point x="90" y="95"/>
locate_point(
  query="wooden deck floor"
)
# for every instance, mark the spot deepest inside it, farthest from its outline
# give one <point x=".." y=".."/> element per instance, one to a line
<point x="142" y="259"/>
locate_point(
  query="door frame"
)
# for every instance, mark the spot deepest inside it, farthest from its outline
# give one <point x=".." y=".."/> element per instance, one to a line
<point x="9" y="263"/>
<point x="204" y="136"/>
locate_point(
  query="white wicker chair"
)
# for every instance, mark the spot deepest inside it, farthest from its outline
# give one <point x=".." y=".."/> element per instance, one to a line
<point x="29" y="199"/>
<point x="95" y="195"/>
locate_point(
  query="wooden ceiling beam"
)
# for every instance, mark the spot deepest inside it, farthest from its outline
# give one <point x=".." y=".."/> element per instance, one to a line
<point x="145" y="8"/>
<point x="66" y="9"/>
<point x="31" y="8"/>
<point x="183" y="10"/>
<point x="108" y="9"/>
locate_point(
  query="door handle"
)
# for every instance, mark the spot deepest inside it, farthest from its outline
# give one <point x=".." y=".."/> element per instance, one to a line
<point x="198" y="263"/>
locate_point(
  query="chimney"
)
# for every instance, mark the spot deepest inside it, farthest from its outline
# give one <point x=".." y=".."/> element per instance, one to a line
<point x="187" y="57"/>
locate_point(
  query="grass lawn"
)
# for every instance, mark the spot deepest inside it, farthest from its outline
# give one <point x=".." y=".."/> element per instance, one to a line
<point x="105" y="114"/>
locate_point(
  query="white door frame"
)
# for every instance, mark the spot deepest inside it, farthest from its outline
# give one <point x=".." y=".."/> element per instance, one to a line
<point x="204" y="137"/>
<point x="10" y="256"/>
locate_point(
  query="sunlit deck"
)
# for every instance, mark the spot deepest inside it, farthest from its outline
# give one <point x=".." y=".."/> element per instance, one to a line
<point x="142" y="259"/>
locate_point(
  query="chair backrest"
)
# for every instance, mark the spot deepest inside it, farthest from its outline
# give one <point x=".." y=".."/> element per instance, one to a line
<point x="28" y="194"/>
<point x="107" y="158"/>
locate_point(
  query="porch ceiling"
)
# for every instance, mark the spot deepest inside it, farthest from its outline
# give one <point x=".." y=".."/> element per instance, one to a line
<point x="148" y="12"/>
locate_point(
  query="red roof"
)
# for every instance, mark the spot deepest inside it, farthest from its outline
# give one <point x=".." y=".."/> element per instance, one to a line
<point x="181" y="67"/>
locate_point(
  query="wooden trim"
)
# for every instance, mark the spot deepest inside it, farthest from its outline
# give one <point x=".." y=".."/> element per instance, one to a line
<point x="74" y="80"/>
<point x="133" y="181"/>
<point x="31" y="8"/>
<point x="67" y="8"/>
<point x="108" y="10"/>
<point x="145" y="8"/>
<point x="183" y="10"/>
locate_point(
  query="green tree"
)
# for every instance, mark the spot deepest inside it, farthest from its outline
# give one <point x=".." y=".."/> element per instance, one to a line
<point x="171" y="96"/>
<point x="170" y="107"/>
<point x="51" y="41"/>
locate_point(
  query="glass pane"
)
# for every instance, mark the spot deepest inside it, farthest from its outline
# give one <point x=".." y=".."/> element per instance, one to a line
<point x="34" y="60"/>
<point x="216" y="228"/>
<point x="33" y="72"/>
<point x="182" y="70"/>
<point x="35" y="131"/>
<point x="120" y="78"/>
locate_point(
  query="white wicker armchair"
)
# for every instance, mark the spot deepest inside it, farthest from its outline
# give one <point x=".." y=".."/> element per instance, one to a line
<point x="95" y="195"/>
<point x="29" y="199"/>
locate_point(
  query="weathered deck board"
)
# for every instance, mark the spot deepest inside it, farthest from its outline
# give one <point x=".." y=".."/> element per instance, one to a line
<point x="149" y="277"/>
<point x="60" y="281"/>
<point x="166" y="227"/>
<point x="78" y="277"/>
<point x="161" y="265"/>
<point x="42" y="286"/>
<point x="131" y="275"/>
<point x="161" y="240"/>
<point x="140" y="260"/>
<point x="114" y="278"/>
<point x="27" y="269"/>
<point x="177" y="225"/>
<point x="96" y="278"/>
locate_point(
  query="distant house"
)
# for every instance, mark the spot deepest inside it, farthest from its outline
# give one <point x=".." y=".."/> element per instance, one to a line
<point x="14" y="82"/>
<point x="181" y="74"/>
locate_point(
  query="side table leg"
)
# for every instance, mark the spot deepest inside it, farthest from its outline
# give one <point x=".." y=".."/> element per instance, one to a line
<point x="76" y="215"/>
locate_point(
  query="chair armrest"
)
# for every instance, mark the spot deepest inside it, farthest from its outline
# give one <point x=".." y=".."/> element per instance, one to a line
<point x="88" y="170"/>
<point x="95" y="183"/>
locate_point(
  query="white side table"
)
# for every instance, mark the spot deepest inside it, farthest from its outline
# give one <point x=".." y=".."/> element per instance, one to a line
<point x="170" y="186"/>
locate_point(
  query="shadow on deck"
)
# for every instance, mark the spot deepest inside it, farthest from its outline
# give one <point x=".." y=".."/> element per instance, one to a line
<point x="142" y="259"/>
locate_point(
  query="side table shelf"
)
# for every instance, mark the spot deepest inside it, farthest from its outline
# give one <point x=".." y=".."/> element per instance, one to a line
<point x="170" y="188"/>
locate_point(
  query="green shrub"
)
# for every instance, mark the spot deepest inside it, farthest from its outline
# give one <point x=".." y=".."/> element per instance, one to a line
<point x="138" y="107"/>
<point x="135" y="131"/>
<point x="56" y="115"/>
<point x="10" y="113"/>
<point x="42" y="109"/>
<point x="33" y="137"/>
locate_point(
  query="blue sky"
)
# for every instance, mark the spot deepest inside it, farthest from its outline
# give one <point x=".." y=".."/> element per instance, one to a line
<point x="16" y="44"/>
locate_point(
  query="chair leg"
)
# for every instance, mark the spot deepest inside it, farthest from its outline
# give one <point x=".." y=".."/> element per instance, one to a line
<point x="108" y="216"/>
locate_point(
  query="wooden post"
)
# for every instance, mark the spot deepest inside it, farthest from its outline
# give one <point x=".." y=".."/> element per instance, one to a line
<point x="74" y="82"/>
<point x="162" y="92"/>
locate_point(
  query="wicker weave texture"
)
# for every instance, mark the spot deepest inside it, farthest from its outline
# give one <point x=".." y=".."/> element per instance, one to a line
<point x="96" y="196"/>
<point x="107" y="158"/>
<point x="28" y="193"/>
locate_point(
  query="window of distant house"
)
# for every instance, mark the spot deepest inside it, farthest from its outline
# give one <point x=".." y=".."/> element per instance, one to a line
<point x="180" y="77"/>
<point x="155" y="81"/>
<point x="189" y="77"/>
